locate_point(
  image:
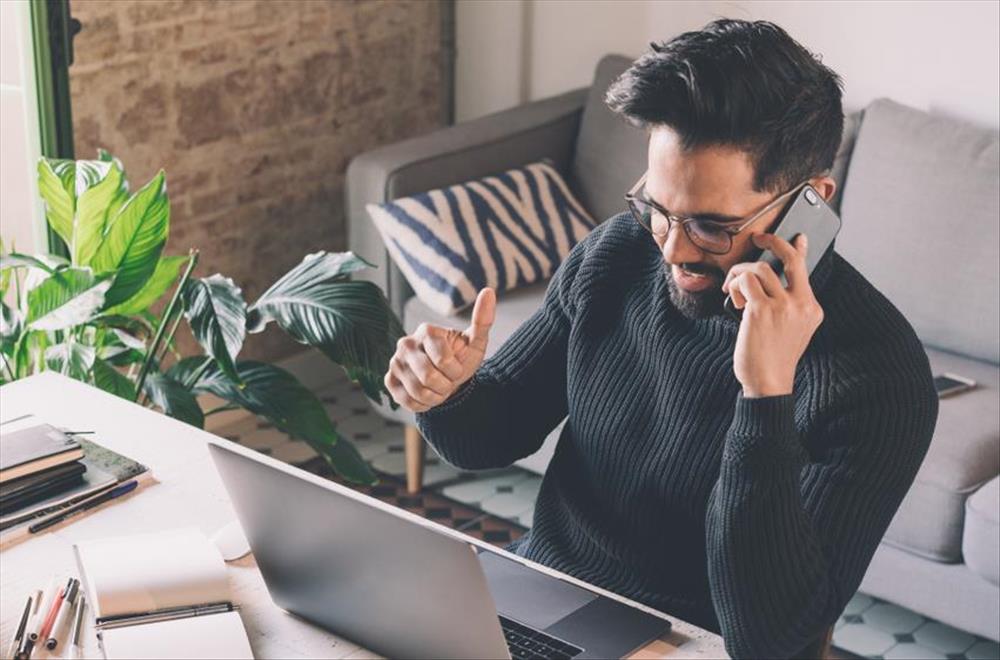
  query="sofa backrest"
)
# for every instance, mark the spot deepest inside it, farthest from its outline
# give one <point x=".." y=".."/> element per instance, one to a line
<point x="610" y="154"/>
<point x="921" y="215"/>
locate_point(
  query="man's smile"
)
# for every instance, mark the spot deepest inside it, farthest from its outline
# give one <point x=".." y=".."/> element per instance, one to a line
<point x="692" y="278"/>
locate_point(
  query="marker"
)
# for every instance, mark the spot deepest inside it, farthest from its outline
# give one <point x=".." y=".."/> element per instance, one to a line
<point x="72" y="588"/>
<point x="43" y="634"/>
<point x="15" y="644"/>
<point x="43" y="608"/>
<point x="75" y="650"/>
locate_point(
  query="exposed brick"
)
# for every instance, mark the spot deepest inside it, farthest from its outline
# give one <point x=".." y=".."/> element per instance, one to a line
<point x="253" y="108"/>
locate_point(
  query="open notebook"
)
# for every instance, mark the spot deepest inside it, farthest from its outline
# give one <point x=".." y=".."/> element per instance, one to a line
<point x="161" y="595"/>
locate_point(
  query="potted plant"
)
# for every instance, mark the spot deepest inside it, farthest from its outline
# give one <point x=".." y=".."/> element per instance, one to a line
<point x="91" y="315"/>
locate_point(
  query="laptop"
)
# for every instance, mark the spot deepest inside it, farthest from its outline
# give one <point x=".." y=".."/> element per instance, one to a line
<point x="406" y="587"/>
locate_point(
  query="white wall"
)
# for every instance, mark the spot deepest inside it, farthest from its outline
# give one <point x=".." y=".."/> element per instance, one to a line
<point x="21" y="223"/>
<point x="938" y="56"/>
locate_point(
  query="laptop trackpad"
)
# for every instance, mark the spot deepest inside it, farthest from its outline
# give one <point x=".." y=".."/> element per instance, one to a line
<point x="529" y="596"/>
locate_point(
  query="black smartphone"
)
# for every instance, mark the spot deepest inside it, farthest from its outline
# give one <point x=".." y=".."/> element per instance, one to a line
<point x="949" y="384"/>
<point x="807" y="213"/>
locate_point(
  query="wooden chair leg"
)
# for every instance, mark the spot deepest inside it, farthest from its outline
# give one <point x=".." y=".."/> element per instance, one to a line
<point x="416" y="449"/>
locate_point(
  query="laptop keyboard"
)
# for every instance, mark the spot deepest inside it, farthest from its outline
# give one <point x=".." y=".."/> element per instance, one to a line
<point x="525" y="642"/>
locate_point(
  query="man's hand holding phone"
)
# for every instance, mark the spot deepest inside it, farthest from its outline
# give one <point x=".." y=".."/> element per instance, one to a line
<point x="777" y="323"/>
<point x="432" y="363"/>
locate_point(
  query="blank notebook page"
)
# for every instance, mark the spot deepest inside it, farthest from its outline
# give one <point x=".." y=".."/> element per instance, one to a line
<point x="211" y="636"/>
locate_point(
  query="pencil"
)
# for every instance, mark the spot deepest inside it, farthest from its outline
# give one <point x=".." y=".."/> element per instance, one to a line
<point x="15" y="644"/>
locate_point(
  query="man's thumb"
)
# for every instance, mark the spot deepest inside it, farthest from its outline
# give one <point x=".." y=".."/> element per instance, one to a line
<point x="483" y="314"/>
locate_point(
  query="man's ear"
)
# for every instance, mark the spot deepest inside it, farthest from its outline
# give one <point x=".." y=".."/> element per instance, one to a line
<point x="825" y="186"/>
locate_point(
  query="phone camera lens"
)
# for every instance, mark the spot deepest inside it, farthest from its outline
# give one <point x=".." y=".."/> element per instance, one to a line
<point x="811" y="197"/>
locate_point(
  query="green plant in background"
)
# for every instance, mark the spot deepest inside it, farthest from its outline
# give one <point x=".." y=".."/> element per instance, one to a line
<point x="91" y="316"/>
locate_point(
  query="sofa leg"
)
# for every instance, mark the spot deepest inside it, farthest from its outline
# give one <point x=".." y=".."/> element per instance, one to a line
<point x="416" y="449"/>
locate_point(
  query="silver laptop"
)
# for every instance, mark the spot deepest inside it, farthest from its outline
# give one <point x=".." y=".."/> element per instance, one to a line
<point x="406" y="587"/>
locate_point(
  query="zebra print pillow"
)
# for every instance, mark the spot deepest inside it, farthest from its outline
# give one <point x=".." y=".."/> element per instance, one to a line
<point x="502" y="231"/>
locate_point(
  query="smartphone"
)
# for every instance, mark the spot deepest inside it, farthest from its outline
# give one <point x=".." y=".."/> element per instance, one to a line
<point x="807" y="213"/>
<point x="949" y="384"/>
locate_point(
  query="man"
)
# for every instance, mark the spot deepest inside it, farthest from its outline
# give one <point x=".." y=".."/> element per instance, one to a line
<point x="735" y="474"/>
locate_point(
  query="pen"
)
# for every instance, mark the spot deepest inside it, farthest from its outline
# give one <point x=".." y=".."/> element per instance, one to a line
<point x="38" y="618"/>
<point x="64" y="613"/>
<point x="43" y="634"/>
<point x="84" y="505"/>
<point x="15" y="644"/>
<point x="77" y="631"/>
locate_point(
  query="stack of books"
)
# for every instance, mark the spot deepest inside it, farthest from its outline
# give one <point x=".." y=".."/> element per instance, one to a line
<point x="47" y="474"/>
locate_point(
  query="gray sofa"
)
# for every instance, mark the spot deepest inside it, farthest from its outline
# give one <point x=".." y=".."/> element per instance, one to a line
<point x="919" y="198"/>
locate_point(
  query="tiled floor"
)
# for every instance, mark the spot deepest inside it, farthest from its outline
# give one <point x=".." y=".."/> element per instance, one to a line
<point x="498" y="505"/>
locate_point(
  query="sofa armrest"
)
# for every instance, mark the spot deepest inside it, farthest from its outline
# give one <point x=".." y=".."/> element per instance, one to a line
<point x="491" y="144"/>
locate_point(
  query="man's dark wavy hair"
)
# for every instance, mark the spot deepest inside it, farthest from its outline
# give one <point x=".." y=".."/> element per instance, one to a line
<point x="742" y="84"/>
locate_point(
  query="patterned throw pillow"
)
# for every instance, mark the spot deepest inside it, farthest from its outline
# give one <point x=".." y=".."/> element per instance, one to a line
<point x="502" y="231"/>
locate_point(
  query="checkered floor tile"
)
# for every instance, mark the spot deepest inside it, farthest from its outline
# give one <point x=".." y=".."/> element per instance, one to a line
<point x="498" y="505"/>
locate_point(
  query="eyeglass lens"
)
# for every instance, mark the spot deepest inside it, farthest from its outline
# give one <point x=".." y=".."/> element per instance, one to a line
<point x="706" y="235"/>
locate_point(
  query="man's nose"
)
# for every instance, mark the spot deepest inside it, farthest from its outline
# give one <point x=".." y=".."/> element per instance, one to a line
<point x="678" y="248"/>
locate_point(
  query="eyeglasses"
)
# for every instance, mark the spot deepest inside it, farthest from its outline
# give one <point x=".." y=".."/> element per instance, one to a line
<point x="711" y="236"/>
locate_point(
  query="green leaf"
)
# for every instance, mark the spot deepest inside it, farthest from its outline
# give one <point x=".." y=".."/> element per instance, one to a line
<point x="173" y="398"/>
<point x="111" y="380"/>
<point x="351" y="322"/>
<point x="10" y="328"/>
<point x="17" y="260"/>
<point x="279" y="397"/>
<point x="162" y="278"/>
<point x="134" y="239"/>
<point x="71" y="359"/>
<point x="58" y="194"/>
<point x="215" y="308"/>
<point x="66" y="299"/>
<point x="95" y="207"/>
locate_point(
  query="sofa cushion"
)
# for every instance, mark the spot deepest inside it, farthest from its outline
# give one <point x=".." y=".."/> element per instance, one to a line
<point x="963" y="455"/>
<point x="513" y="309"/>
<point x="503" y="231"/>
<point x="610" y="153"/>
<point x="981" y="541"/>
<point x="920" y="210"/>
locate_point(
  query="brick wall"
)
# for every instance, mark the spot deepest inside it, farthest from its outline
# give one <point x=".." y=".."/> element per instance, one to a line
<point x="253" y="108"/>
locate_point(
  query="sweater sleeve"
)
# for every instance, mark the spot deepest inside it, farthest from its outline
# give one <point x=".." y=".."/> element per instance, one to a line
<point x="790" y="535"/>
<point x="515" y="399"/>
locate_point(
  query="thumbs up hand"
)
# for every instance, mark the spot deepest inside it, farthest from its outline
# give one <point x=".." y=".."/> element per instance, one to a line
<point x="432" y="363"/>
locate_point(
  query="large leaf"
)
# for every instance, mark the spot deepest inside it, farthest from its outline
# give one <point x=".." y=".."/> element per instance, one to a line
<point x="10" y="328"/>
<point x="175" y="399"/>
<point x="351" y="322"/>
<point x="17" y="260"/>
<point x="95" y="207"/>
<point x="279" y="397"/>
<point x="59" y="195"/>
<point x="134" y="239"/>
<point x="215" y="308"/>
<point x="111" y="380"/>
<point x="66" y="299"/>
<point x="71" y="359"/>
<point x="162" y="278"/>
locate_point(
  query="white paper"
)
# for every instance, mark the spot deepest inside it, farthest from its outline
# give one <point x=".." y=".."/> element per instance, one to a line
<point x="210" y="636"/>
<point x="149" y="572"/>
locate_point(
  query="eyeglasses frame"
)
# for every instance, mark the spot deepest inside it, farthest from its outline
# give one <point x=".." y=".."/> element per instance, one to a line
<point x="631" y="197"/>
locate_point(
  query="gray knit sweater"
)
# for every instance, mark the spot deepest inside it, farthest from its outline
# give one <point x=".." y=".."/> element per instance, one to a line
<point x="755" y="518"/>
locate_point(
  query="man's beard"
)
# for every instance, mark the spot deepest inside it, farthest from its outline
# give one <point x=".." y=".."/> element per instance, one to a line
<point x="697" y="304"/>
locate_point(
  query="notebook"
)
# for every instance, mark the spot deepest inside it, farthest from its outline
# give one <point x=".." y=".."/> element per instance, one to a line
<point x="103" y="469"/>
<point x="27" y="451"/>
<point x="34" y="488"/>
<point x="161" y="595"/>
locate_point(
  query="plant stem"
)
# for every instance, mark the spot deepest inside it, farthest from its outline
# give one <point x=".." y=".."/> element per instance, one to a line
<point x="147" y="362"/>
<point x="170" y="335"/>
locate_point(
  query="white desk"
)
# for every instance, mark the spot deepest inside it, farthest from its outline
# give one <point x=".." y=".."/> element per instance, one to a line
<point x="188" y="492"/>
